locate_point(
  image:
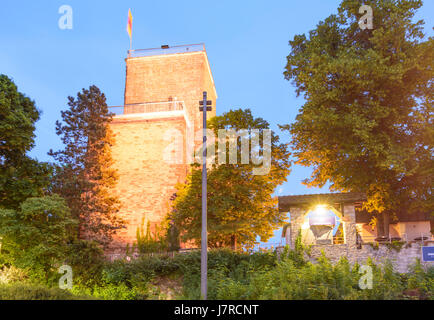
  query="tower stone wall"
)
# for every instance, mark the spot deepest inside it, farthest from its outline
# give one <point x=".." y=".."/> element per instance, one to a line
<point x="161" y="114"/>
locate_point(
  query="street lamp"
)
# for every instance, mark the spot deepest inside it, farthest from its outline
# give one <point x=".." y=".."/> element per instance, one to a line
<point x="205" y="105"/>
<point x="321" y="216"/>
<point x="320" y="209"/>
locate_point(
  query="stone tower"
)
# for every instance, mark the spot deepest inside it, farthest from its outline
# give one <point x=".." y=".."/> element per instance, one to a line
<point x="153" y="129"/>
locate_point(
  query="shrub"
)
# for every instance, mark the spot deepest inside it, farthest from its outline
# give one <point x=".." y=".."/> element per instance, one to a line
<point x="34" y="236"/>
<point x="395" y="245"/>
<point x="421" y="280"/>
<point x="31" y="292"/>
<point x="87" y="260"/>
<point x="11" y="274"/>
<point x="289" y="280"/>
<point x="111" y="292"/>
<point x="261" y="275"/>
<point x="148" y="242"/>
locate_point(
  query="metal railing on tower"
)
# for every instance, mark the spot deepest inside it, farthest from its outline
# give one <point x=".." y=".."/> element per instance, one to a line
<point x="148" y="107"/>
<point x="166" y="50"/>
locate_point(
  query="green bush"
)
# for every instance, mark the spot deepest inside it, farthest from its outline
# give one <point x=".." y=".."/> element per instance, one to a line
<point x="242" y="275"/>
<point x="34" y="236"/>
<point x="19" y="291"/>
<point x="421" y="280"/>
<point x="291" y="279"/>
<point x="138" y="274"/>
<point x="111" y="292"/>
<point x="11" y="274"/>
<point x="148" y="242"/>
<point x="87" y="260"/>
<point x="265" y="275"/>
<point x="223" y="265"/>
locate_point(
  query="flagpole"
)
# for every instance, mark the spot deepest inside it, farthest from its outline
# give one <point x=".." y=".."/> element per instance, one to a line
<point x="130" y="29"/>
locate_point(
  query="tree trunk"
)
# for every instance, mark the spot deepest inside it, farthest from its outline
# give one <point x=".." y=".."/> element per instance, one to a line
<point x="383" y="221"/>
<point x="234" y="242"/>
<point x="386" y="221"/>
<point x="380" y="225"/>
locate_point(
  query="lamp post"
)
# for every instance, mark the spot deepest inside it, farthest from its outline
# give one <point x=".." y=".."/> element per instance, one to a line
<point x="205" y="105"/>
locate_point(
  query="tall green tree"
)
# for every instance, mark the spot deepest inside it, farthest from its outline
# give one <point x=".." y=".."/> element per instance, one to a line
<point x="36" y="235"/>
<point x="367" y="122"/>
<point x="84" y="176"/>
<point x="241" y="205"/>
<point x="21" y="177"/>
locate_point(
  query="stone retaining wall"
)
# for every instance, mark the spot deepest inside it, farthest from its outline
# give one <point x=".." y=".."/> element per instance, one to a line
<point x="401" y="259"/>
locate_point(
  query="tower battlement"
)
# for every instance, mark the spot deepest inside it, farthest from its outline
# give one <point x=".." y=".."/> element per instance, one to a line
<point x="168" y="74"/>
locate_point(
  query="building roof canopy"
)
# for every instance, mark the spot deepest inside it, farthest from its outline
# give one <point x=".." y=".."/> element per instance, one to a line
<point x="286" y="202"/>
<point x="355" y="198"/>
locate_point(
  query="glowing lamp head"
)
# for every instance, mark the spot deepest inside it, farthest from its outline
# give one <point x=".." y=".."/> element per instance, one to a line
<point x="320" y="209"/>
<point x="322" y="216"/>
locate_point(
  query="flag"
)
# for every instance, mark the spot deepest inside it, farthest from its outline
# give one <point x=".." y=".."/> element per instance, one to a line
<point x="130" y="24"/>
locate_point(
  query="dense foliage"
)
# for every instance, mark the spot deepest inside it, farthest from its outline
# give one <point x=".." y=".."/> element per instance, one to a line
<point x="366" y="126"/>
<point x="238" y="275"/>
<point x="240" y="203"/>
<point x="39" y="230"/>
<point x="264" y="275"/>
<point x="36" y="292"/>
<point x="36" y="235"/>
<point x="84" y="176"/>
<point x="148" y="241"/>
<point x="21" y="177"/>
<point x="367" y="122"/>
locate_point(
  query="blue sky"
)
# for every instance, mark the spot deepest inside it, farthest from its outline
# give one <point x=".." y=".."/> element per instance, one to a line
<point x="246" y="42"/>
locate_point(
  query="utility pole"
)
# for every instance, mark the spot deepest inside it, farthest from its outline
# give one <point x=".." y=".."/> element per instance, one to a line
<point x="205" y="105"/>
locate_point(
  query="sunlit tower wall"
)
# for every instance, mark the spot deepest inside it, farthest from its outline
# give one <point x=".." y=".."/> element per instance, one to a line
<point x="153" y="129"/>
